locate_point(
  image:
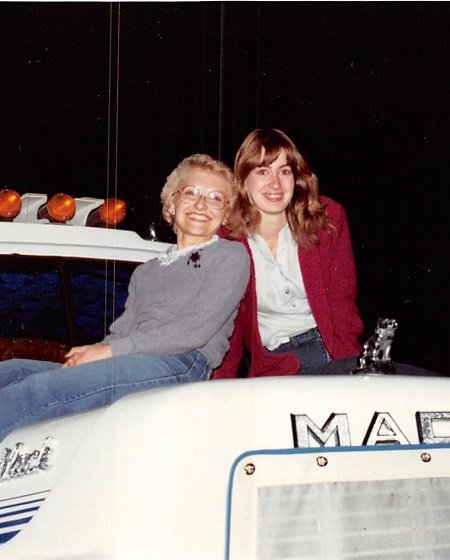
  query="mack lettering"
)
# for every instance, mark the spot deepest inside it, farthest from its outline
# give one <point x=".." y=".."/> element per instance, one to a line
<point x="14" y="462"/>
<point x="432" y="428"/>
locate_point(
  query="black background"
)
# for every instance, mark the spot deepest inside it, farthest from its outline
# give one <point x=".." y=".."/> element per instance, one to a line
<point x="100" y="99"/>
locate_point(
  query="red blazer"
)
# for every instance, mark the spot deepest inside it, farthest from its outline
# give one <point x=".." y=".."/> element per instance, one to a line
<point x="329" y="277"/>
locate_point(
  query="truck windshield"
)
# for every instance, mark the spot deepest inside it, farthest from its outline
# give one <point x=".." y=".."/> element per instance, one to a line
<point x="72" y="301"/>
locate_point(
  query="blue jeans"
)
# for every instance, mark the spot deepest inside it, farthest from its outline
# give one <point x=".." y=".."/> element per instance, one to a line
<point x="309" y="349"/>
<point x="31" y="390"/>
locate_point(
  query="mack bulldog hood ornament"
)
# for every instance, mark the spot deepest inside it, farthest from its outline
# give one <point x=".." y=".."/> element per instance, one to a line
<point x="375" y="356"/>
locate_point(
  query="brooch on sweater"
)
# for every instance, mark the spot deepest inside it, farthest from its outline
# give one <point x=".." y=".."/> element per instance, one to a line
<point x="195" y="259"/>
<point x="172" y="254"/>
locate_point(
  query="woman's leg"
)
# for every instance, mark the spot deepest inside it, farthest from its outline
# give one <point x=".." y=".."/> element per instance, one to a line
<point x="56" y="392"/>
<point x="16" y="370"/>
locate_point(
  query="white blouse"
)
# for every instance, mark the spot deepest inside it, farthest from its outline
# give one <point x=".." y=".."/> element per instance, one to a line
<point x="283" y="309"/>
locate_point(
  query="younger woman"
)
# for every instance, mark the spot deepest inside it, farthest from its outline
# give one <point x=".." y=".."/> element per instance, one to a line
<point x="299" y="310"/>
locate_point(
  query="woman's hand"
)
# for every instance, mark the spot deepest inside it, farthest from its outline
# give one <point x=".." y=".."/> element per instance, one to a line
<point x="84" y="354"/>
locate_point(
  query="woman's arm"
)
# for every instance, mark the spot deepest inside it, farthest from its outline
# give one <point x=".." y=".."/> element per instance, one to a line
<point x="122" y="325"/>
<point x="84" y="354"/>
<point x="230" y="364"/>
<point x="347" y="323"/>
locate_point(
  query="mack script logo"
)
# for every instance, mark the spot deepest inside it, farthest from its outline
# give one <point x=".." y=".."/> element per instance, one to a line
<point x="432" y="427"/>
<point x="15" y="462"/>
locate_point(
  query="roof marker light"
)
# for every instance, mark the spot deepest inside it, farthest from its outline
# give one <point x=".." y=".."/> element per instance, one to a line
<point x="60" y="208"/>
<point x="111" y="213"/>
<point x="10" y="204"/>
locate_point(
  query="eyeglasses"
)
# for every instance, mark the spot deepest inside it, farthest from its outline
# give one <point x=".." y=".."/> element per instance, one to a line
<point x="214" y="199"/>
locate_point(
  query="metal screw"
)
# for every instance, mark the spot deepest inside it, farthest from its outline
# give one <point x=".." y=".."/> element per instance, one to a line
<point x="249" y="468"/>
<point x="322" y="461"/>
<point x="426" y="457"/>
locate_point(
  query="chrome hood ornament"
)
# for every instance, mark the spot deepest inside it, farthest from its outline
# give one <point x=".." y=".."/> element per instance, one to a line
<point x="375" y="356"/>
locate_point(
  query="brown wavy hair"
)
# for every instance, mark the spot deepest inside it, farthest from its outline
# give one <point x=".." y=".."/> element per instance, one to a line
<point x="305" y="213"/>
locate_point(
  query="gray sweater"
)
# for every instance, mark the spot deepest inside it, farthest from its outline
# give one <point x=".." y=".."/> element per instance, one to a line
<point x="188" y="304"/>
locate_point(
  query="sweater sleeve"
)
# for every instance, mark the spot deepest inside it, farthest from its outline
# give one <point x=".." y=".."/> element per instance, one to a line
<point x="121" y="326"/>
<point x="204" y="315"/>
<point x="347" y="323"/>
<point x="230" y="364"/>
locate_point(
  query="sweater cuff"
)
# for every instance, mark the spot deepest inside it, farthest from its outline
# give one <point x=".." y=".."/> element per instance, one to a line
<point x="121" y="346"/>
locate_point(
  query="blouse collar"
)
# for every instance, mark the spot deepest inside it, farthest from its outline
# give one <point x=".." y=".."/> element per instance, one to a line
<point x="172" y="253"/>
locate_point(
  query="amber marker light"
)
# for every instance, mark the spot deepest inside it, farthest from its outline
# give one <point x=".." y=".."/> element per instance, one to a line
<point x="61" y="207"/>
<point x="10" y="204"/>
<point x="113" y="211"/>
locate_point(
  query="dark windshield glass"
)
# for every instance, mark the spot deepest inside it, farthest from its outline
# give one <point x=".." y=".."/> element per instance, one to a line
<point x="99" y="294"/>
<point x="69" y="300"/>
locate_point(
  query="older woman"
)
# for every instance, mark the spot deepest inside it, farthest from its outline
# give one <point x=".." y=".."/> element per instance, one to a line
<point x="299" y="311"/>
<point x="177" y="319"/>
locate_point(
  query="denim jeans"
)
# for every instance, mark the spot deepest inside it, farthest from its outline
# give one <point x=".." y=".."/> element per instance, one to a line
<point x="309" y="349"/>
<point x="31" y="390"/>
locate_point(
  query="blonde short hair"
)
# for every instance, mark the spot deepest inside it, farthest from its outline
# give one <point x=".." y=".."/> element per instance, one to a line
<point x="187" y="166"/>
